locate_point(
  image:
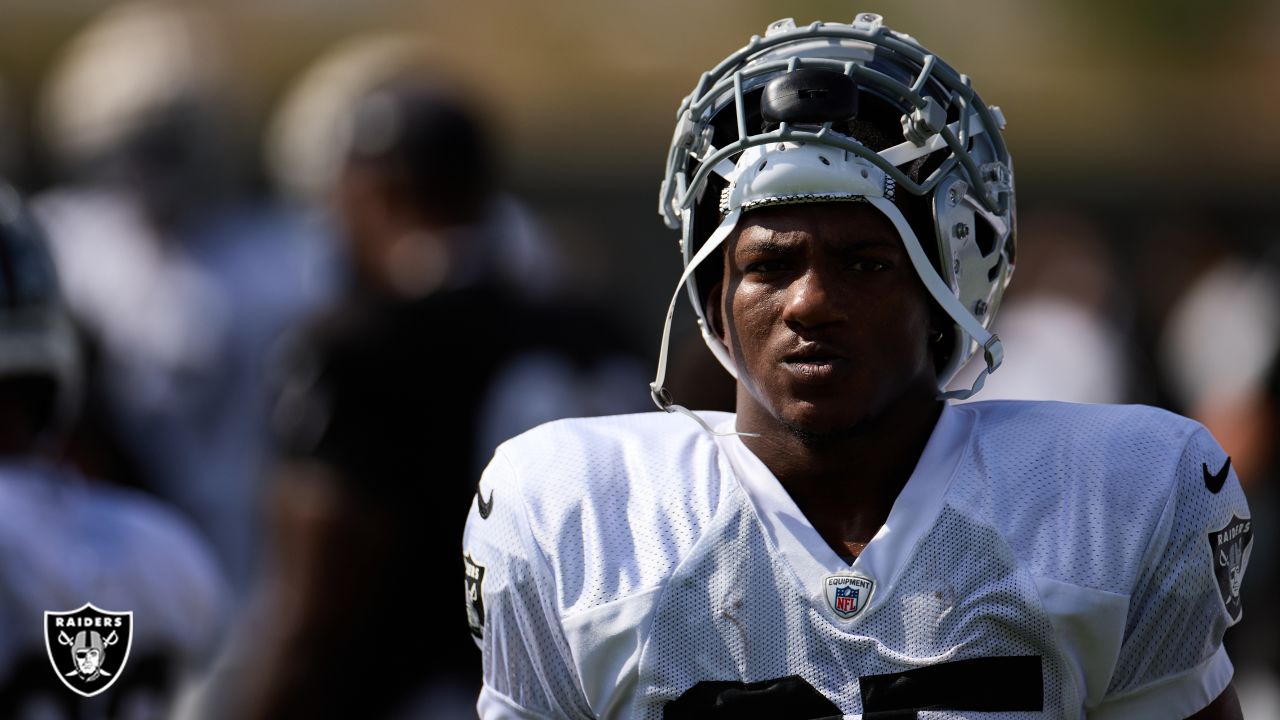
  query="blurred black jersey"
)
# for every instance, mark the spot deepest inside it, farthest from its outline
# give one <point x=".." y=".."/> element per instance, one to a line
<point x="392" y="396"/>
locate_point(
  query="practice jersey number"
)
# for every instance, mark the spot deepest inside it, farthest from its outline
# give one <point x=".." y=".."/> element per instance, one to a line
<point x="995" y="684"/>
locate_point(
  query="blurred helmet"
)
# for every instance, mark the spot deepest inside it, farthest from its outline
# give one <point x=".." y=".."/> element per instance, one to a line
<point x="310" y="133"/>
<point x="125" y="73"/>
<point x="36" y="335"/>
<point x="849" y="112"/>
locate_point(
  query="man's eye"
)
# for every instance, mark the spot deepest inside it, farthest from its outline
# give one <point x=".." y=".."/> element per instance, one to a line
<point x="766" y="266"/>
<point x="869" y="265"/>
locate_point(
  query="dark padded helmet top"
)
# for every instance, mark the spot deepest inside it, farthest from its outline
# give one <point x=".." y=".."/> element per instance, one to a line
<point x="809" y="96"/>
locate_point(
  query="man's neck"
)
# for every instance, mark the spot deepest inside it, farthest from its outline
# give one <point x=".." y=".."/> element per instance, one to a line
<point x="845" y="483"/>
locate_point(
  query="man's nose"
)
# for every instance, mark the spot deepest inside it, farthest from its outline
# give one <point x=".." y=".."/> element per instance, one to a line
<point x="813" y="300"/>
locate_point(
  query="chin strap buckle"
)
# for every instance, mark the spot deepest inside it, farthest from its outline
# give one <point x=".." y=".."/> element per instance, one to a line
<point x="993" y="353"/>
<point x="661" y="397"/>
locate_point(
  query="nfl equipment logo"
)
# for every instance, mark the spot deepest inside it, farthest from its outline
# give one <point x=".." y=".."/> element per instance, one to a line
<point x="847" y="600"/>
<point x="88" y="647"/>
<point x="848" y="595"/>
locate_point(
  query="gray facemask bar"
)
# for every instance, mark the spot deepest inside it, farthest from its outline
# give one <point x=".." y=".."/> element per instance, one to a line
<point x="677" y="199"/>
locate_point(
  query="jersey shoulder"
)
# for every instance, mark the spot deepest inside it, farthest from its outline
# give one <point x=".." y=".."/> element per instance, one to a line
<point x="158" y="544"/>
<point x="1084" y="425"/>
<point x="1077" y="490"/>
<point x="147" y="557"/>
<point x="1054" y="443"/>
<point x="613" y="502"/>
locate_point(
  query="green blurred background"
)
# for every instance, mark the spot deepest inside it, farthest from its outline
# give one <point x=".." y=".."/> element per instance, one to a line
<point x="1143" y="108"/>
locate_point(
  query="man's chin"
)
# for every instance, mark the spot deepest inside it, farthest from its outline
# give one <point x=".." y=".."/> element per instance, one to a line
<point x="816" y="426"/>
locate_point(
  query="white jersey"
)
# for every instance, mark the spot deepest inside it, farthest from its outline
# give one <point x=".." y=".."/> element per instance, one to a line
<point x="65" y="542"/>
<point x="1044" y="560"/>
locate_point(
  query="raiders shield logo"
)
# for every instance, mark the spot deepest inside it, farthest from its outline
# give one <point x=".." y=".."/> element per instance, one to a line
<point x="848" y="595"/>
<point x="475" y="595"/>
<point x="88" y="647"/>
<point x="1230" y="547"/>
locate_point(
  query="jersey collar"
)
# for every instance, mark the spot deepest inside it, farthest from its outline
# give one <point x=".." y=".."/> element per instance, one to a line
<point x="794" y="539"/>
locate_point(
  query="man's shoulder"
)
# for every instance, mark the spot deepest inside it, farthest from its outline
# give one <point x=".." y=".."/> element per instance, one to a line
<point x="641" y="489"/>
<point x="1063" y="424"/>
<point x="1066" y="481"/>
<point x="638" y="458"/>
<point x="1127" y="453"/>
<point x="53" y="508"/>
<point x="645" y="442"/>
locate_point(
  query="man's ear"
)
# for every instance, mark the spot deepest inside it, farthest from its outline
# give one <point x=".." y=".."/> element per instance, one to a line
<point x="712" y="310"/>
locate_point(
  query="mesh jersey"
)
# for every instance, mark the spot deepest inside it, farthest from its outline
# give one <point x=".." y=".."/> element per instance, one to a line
<point x="1043" y="560"/>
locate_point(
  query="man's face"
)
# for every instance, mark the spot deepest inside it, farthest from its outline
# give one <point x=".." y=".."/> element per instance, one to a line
<point x="826" y="319"/>
<point x="87" y="660"/>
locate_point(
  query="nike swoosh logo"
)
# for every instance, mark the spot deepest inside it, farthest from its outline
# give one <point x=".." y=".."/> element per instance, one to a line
<point x="487" y="507"/>
<point x="1212" y="482"/>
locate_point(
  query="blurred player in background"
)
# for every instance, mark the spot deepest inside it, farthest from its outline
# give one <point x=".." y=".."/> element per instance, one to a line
<point x="384" y="407"/>
<point x="66" y="539"/>
<point x="850" y="543"/>
<point x="181" y="282"/>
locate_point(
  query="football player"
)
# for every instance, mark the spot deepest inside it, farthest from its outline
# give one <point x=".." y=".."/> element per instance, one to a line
<point x="849" y="543"/>
<point x="379" y="429"/>
<point x="67" y="539"/>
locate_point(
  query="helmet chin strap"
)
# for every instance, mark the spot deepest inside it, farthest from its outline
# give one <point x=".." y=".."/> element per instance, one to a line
<point x="657" y="389"/>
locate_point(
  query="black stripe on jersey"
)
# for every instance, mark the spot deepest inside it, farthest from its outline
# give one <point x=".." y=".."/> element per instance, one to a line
<point x="789" y="697"/>
<point x="993" y="684"/>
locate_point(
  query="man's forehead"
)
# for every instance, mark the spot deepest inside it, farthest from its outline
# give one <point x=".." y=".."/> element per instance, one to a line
<point x="838" y="222"/>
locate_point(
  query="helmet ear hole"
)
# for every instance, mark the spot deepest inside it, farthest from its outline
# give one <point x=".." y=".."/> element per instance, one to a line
<point x="984" y="236"/>
<point x="994" y="272"/>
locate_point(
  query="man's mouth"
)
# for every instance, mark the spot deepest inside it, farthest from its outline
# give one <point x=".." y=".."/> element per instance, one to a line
<point x="814" y="362"/>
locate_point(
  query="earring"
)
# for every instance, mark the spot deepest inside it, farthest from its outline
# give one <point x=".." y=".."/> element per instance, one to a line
<point x="935" y="336"/>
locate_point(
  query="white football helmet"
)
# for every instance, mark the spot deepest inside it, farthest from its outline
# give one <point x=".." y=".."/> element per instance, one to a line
<point x="775" y="123"/>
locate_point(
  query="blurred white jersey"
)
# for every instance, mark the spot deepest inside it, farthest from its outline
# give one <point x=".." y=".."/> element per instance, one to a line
<point x="65" y="542"/>
<point x="1044" y="560"/>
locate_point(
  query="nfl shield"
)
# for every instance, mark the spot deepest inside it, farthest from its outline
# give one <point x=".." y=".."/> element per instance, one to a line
<point x="846" y="599"/>
<point x="88" y="646"/>
<point x="848" y="595"/>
